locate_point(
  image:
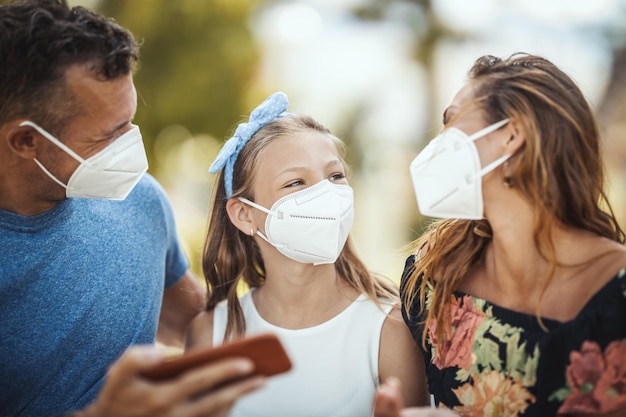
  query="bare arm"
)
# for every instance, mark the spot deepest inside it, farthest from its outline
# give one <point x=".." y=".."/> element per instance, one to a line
<point x="401" y="358"/>
<point x="200" y="332"/>
<point x="181" y="303"/>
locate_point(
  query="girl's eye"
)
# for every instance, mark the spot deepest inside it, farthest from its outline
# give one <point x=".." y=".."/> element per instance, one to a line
<point x="337" y="176"/>
<point x="294" y="183"/>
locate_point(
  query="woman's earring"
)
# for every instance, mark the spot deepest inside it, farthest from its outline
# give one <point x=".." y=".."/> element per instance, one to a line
<point x="251" y="232"/>
<point x="507" y="178"/>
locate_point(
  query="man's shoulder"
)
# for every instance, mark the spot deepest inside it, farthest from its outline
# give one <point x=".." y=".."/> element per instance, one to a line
<point x="148" y="184"/>
<point x="148" y="190"/>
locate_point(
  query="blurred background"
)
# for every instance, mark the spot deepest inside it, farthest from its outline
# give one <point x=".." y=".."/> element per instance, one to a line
<point x="378" y="73"/>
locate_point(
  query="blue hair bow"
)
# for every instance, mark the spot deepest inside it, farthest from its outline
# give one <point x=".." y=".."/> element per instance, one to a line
<point x="268" y="111"/>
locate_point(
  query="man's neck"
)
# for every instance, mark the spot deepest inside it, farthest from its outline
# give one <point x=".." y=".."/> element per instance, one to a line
<point x="17" y="202"/>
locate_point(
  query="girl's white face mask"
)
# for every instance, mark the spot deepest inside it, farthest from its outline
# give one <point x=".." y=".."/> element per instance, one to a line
<point x="109" y="174"/>
<point x="447" y="175"/>
<point x="311" y="225"/>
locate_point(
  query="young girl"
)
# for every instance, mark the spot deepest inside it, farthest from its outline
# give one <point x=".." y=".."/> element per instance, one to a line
<point x="280" y="222"/>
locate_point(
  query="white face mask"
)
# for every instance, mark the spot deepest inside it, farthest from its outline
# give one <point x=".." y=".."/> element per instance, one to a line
<point x="447" y="175"/>
<point x="110" y="174"/>
<point x="311" y="225"/>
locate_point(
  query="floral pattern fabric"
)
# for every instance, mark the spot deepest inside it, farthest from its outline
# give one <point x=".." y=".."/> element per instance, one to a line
<point x="595" y="379"/>
<point x="498" y="362"/>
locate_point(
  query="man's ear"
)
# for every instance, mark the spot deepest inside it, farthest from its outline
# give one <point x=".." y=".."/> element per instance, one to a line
<point x="240" y="216"/>
<point x="20" y="140"/>
<point x="515" y="138"/>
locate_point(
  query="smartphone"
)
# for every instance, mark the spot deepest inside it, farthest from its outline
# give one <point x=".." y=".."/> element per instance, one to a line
<point x="265" y="350"/>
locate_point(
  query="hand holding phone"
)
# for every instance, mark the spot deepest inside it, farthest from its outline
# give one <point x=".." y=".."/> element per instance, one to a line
<point x="265" y="350"/>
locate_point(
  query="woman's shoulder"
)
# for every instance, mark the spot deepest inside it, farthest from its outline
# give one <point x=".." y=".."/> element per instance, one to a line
<point x="611" y="293"/>
<point x="409" y="268"/>
<point x="601" y="279"/>
<point x="410" y="281"/>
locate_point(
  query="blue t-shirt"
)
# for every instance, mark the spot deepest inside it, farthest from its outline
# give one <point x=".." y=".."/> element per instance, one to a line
<point x="78" y="285"/>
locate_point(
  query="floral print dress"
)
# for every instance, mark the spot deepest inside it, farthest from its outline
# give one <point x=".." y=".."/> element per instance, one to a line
<point x="499" y="362"/>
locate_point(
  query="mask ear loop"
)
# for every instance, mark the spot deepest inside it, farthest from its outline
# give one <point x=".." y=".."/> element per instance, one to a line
<point x="54" y="140"/>
<point x="263" y="209"/>
<point x="487" y="130"/>
<point x="489" y="167"/>
<point x="484" y="132"/>
<point x="50" y="174"/>
<point x="57" y="142"/>
<point x="255" y="205"/>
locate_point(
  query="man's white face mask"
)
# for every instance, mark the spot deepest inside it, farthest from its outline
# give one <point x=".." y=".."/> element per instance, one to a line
<point x="447" y="175"/>
<point x="110" y="174"/>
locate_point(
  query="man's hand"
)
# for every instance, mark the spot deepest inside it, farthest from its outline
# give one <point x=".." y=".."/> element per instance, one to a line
<point x="196" y="393"/>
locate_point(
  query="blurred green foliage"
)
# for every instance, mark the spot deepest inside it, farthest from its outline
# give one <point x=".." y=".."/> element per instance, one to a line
<point x="197" y="63"/>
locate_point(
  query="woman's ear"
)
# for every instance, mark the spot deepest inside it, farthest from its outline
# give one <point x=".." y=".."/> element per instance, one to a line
<point x="515" y="137"/>
<point x="240" y="216"/>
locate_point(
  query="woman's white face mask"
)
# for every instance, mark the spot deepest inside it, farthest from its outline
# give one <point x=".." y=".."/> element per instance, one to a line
<point x="110" y="174"/>
<point x="447" y="175"/>
<point x="311" y="225"/>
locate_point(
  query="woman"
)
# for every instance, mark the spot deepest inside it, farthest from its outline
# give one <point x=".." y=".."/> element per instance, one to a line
<point x="280" y="222"/>
<point x="518" y="296"/>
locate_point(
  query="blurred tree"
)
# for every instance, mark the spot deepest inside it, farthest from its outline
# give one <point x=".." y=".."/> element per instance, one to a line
<point x="613" y="106"/>
<point x="612" y="112"/>
<point x="419" y="16"/>
<point x="198" y="61"/>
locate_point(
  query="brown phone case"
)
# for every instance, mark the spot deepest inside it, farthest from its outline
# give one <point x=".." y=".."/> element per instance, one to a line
<point x="265" y="350"/>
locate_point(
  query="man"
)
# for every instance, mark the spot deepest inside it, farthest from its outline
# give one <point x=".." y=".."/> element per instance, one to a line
<point x="90" y="262"/>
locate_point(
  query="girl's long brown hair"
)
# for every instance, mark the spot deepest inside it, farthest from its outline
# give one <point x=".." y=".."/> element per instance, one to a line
<point x="231" y="257"/>
<point x="559" y="170"/>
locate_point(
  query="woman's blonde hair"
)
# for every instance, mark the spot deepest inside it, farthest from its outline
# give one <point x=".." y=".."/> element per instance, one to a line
<point x="558" y="170"/>
<point x="230" y="257"/>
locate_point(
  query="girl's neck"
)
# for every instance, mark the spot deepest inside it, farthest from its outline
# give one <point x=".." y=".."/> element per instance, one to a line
<point x="302" y="297"/>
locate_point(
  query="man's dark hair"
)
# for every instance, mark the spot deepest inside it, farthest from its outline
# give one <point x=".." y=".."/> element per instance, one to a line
<point x="39" y="41"/>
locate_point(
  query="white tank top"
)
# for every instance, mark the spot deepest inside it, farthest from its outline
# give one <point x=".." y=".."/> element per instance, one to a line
<point x="335" y="364"/>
